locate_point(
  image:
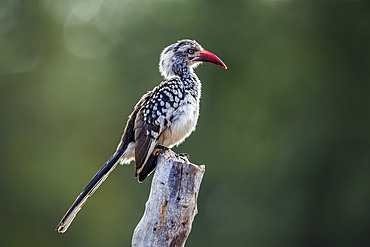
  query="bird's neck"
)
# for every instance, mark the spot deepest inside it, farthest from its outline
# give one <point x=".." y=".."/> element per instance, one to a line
<point x="181" y="70"/>
<point x="187" y="76"/>
<point x="190" y="81"/>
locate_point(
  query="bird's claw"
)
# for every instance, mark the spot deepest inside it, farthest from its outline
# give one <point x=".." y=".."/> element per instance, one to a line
<point x="162" y="147"/>
<point x="183" y="156"/>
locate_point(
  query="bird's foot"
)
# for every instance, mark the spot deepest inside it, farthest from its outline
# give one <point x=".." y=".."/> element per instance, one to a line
<point x="183" y="156"/>
<point x="162" y="147"/>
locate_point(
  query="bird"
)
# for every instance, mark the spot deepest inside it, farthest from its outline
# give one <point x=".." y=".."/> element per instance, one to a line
<point x="162" y="118"/>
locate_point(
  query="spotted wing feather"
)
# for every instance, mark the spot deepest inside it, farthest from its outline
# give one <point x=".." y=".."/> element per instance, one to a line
<point x="146" y="136"/>
<point x="154" y="116"/>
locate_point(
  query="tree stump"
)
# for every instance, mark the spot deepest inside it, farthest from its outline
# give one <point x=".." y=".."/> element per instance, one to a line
<point x="172" y="204"/>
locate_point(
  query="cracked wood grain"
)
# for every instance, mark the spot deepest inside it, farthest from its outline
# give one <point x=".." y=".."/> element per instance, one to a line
<point x="172" y="204"/>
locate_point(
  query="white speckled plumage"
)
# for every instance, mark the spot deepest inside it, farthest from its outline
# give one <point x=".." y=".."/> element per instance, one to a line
<point x="172" y="106"/>
<point x="165" y="116"/>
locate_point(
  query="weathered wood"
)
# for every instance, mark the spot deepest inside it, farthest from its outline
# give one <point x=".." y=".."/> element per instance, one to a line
<point x="172" y="204"/>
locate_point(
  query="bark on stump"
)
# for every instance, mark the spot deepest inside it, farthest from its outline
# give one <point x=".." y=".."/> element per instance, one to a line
<point x="172" y="204"/>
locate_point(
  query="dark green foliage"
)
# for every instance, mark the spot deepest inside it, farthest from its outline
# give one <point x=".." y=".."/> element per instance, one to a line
<point x="284" y="132"/>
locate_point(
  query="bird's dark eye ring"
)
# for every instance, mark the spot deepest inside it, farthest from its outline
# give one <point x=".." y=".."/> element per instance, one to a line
<point x="190" y="51"/>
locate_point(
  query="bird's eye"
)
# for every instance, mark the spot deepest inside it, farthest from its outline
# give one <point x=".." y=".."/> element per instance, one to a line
<point x="190" y="51"/>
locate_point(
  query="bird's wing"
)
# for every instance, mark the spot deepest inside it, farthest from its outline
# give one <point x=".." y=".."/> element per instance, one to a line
<point x="146" y="136"/>
<point x="151" y="120"/>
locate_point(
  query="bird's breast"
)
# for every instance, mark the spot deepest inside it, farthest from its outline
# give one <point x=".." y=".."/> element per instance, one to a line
<point x="181" y="123"/>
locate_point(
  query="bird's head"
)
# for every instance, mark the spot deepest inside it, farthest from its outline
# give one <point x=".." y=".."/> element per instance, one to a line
<point x="184" y="56"/>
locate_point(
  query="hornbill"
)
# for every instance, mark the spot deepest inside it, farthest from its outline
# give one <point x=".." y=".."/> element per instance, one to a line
<point x="162" y="118"/>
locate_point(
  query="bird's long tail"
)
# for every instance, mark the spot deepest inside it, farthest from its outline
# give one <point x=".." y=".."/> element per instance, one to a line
<point x="92" y="186"/>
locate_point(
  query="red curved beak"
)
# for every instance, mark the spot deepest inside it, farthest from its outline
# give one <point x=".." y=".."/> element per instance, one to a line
<point x="209" y="57"/>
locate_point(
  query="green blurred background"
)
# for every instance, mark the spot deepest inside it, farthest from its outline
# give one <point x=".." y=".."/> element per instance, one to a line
<point x="284" y="132"/>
